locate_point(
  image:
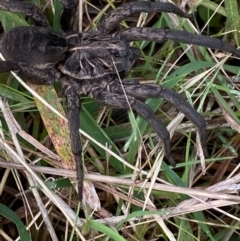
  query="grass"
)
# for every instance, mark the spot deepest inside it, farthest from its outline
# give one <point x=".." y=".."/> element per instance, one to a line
<point x="141" y="196"/>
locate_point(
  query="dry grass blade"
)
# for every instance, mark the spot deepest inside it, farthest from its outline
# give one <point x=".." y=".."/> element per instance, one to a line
<point x="132" y="192"/>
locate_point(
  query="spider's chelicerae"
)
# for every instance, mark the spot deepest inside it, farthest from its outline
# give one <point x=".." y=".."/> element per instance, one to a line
<point x="91" y="63"/>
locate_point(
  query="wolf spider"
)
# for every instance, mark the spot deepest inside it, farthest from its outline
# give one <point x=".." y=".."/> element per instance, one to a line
<point x="92" y="62"/>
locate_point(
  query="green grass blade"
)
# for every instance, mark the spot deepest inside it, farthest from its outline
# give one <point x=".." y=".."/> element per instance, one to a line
<point x="106" y="230"/>
<point x="9" y="214"/>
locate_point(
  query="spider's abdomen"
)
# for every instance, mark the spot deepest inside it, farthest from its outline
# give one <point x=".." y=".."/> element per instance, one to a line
<point x="34" y="46"/>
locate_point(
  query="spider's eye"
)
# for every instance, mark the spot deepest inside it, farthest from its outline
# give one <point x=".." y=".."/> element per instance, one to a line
<point x="114" y="52"/>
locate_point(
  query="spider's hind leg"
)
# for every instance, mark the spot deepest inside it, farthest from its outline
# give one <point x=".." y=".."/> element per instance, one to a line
<point x="6" y="66"/>
<point x="154" y="91"/>
<point x="30" y="74"/>
<point x="36" y="14"/>
<point x="28" y="9"/>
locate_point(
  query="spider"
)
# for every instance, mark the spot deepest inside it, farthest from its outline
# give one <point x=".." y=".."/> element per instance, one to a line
<point x="92" y="63"/>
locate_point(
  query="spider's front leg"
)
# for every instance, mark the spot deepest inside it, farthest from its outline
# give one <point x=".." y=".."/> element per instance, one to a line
<point x="162" y="35"/>
<point x="155" y="91"/>
<point x="73" y="109"/>
<point x="126" y="10"/>
<point x="120" y="101"/>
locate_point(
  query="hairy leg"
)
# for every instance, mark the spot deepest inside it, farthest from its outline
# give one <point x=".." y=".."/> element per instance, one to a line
<point x="33" y="75"/>
<point x="67" y="17"/>
<point x="28" y="9"/>
<point x="6" y="66"/>
<point x="126" y="10"/>
<point x="154" y="91"/>
<point x="73" y="109"/>
<point x="162" y="35"/>
<point x="119" y="101"/>
<point x="36" y="14"/>
<point x="68" y="4"/>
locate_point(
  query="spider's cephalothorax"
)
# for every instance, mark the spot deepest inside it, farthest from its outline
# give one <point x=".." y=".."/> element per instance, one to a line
<point x="92" y="63"/>
<point x="110" y="55"/>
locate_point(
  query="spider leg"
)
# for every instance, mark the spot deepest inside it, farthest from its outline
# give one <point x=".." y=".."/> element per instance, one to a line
<point x="68" y="4"/>
<point x="155" y="91"/>
<point x="162" y="35"/>
<point x="119" y="101"/>
<point x="33" y="75"/>
<point x="73" y="109"/>
<point x="121" y="13"/>
<point x="67" y="16"/>
<point x="26" y="8"/>
<point x="36" y="14"/>
<point x="6" y="66"/>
